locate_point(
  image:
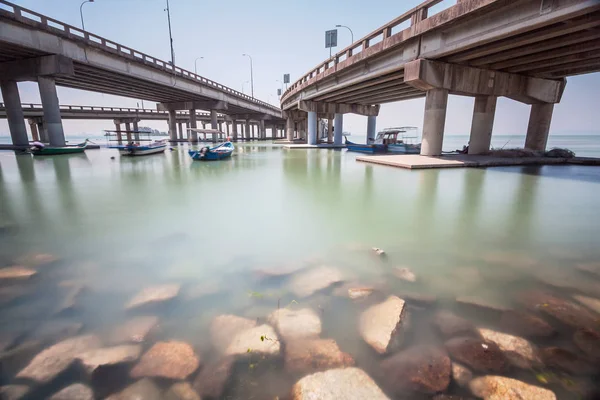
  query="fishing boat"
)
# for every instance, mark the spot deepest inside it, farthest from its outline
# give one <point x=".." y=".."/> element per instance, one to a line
<point x="40" y="149"/>
<point x="214" y="153"/>
<point x="400" y="140"/>
<point x="365" y="148"/>
<point x="135" y="149"/>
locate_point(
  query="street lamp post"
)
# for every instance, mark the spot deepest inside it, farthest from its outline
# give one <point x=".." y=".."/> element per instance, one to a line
<point x="351" y="33"/>
<point x="195" y="64"/>
<point x="168" y="10"/>
<point x="251" y="74"/>
<point x="81" y="12"/>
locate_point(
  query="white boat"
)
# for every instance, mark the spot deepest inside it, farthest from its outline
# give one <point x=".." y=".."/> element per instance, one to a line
<point x="398" y="140"/>
<point x="135" y="149"/>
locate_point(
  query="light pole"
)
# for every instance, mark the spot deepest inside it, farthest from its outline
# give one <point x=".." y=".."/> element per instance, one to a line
<point x="168" y="10"/>
<point x="243" y="86"/>
<point x="81" y="12"/>
<point x="251" y="74"/>
<point x="351" y="33"/>
<point x="195" y="65"/>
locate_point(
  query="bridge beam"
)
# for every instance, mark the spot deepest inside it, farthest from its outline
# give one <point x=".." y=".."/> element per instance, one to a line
<point x="463" y="80"/>
<point x="30" y="69"/>
<point x="198" y="105"/>
<point x="337" y="108"/>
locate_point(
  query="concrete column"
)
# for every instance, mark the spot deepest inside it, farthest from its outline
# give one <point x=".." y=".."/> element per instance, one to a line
<point x="434" y="121"/>
<point x="51" y="108"/>
<point x="203" y="125"/>
<point x="338" y="129"/>
<point x="227" y="127"/>
<point x="539" y="126"/>
<point x="128" y="131"/>
<point x="312" y="128"/>
<point x="213" y="119"/>
<point x="43" y="131"/>
<point x="329" y="130"/>
<point x="274" y="132"/>
<point x="262" y="131"/>
<point x="180" y="130"/>
<point x="482" y="125"/>
<point x="252" y="131"/>
<point x="221" y="126"/>
<point x="289" y="129"/>
<point x="172" y="125"/>
<point x="186" y="133"/>
<point x="33" y="125"/>
<point x="193" y="136"/>
<point x="119" y="136"/>
<point x="247" y="129"/>
<point x="14" y="113"/>
<point x="136" y="131"/>
<point x="234" y="130"/>
<point x="371" y="128"/>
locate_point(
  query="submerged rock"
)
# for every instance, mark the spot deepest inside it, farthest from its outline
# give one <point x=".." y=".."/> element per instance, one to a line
<point x="589" y="302"/>
<point x="588" y="342"/>
<point x="174" y="360"/>
<point x="48" y="364"/>
<point x="154" y="295"/>
<point x="418" y="299"/>
<point x="224" y="328"/>
<point x="380" y="323"/>
<point x="450" y="325"/>
<point x="69" y="302"/>
<point x="16" y="273"/>
<point x="258" y="340"/>
<point x="461" y="374"/>
<point x="56" y="329"/>
<point x="14" y="392"/>
<point x="36" y="259"/>
<point x="76" y="391"/>
<point x="305" y="283"/>
<point x="334" y="384"/>
<point x="477" y="354"/>
<point x="135" y="330"/>
<point x="424" y="369"/>
<point x="405" y="274"/>
<point x="525" y="324"/>
<point x="485" y="305"/>
<point x="181" y="391"/>
<point x="109" y="356"/>
<point x="144" y="389"/>
<point x="295" y="324"/>
<point x="520" y="352"/>
<point x="15" y="359"/>
<point x="564" y="360"/>
<point x="359" y="293"/>
<point x="213" y="377"/>
<point x="592" y="268"/>
<point x="560" y="309"/>
<point x="311" y="355"/>
<point x="503" y="388"/>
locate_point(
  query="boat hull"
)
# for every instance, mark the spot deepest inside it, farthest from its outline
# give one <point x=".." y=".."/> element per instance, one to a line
<point x="216" y="153"/>
<point x="403" y="149"/>
<point x="55" y="151"/>
<point x="133" y="151"/>
<point x="365" y="148"/>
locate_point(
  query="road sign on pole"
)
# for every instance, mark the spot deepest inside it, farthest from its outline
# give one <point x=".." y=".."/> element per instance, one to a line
<point x="278" y="92"/>
<point x="331" y="38"/>
<point x="286" y="78"/>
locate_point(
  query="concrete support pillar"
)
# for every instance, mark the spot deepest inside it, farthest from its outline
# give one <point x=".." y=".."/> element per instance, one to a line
<point x="262" y="131"/>
<point x="312" y="128"/>
<point x="193" y="136"/>
<point x="247" y="130"/>
<point x="119" y="136"/>
<point x="227" y="127"/>
<point x="180" y="130"/>
<point x="186" y="133"/>
<point x="371" y="128"/>
<point x="136" y="131"/>
<point x="35" y="135"/>
<point x="274" y="132"/>
<point x="128" y="130"/>
<point x="51" y="107"/>
<point x="221" y="126"/>
<point x="234" y="130"/>
<point x="539" y="126"/>
<point x="434" y="121"/>
<point x="42" y="131"/>
<point x="172" y="125"/>
<point x="329" y="130"/>
<point x="482" y="125"/>
<point x="213" y="119"/>
<point x="338" y="129"/>
<point x="252" y="131"/>
<point x="289" y="129"/>
<point x="14" y="113"/>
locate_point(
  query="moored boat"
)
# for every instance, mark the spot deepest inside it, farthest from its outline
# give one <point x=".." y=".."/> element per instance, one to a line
<point x="135" y="149"/>
<point x="365" y="148"/>
<point x="398" y="140"/>
<point x="40" y="149"/>
<point x="219" y="152"/>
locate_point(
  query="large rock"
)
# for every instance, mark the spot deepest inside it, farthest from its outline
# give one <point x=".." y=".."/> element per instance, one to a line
<point x="405" y="274"/>
<point x="565" y="360"/>
<point x="589" y="302"/>
<point x="526" y="324"/>
<point x="181" y="391"/>
<point x="144" y="389"/>
<point x="335" y="384"/>
<point x="588" y="342"/>
<point x="565" y="311"/>
<point x="503" y="388"/>
<point x="451" y="325"/>
<point x="154" y="295"/>
<point x="424" y="369"/>
<point x="224" y="328"/>
<point x="258" y="340"/>
<point x="15" y="359"/>
<point x="314" y="355"/>
<point x="57" y="329"/>
<point x="305" y="283"/>
<point x="211" y="380"/>
<point x="76" y="391"/>
<point x="520" y="352"/>
<point x="174" y="360"/>
<point x="109" y="356"/>
<point x="14" y="392"/>
<point x="461" y="374"/>
<point x="478" y="303"/>
<point x="359" y="293"/>
<point x="295" y="324"/>
<point x="477" y="354"/>
<point x="51" y="362"/>
<point x="135" y="330"/>
<point x="16" y="273"/>
<point x="380" y="323"/>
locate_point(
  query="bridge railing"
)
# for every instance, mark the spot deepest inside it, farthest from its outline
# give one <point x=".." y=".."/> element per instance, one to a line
<point x="127" y="110"/>
<point x="412" y="16"/>
<point x="33" y="18"/>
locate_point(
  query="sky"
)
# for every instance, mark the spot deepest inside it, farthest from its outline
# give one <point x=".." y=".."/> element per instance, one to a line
<point x="282" y="37"/>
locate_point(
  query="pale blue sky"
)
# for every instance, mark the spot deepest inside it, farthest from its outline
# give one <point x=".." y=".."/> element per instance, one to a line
<point x="282" y="37"/>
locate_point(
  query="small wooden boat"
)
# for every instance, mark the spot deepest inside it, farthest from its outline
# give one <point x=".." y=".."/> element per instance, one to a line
<point x="218" y="152"/>
<point x="135" y="149"/>
<point x="365" y="148"/>
<point x="40" y="149"/>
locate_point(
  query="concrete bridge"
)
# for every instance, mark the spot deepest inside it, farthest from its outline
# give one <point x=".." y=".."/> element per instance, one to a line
<point x="521" y="49"/>
<point x="130" y="117"/>
<point x="34" y="47"/>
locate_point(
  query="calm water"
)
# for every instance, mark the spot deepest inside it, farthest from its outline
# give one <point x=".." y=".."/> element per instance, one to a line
<point x="119" y="225"/>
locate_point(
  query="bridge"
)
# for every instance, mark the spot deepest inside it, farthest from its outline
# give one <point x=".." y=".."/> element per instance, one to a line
<point x="34" y="47"/>
<point x="522" y="49"/>
<point x="130" y="117"/>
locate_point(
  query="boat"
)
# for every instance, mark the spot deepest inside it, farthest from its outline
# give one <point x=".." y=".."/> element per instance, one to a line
<point x="135" y="149"/>
<point x="365" y="148"/>
<point x="40" y="149"/>
<point x="214" y="153"/>
<point x="398" y="140"/>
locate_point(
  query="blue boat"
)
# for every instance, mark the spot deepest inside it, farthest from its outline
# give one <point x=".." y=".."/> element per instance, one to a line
<point x="366" y="148"/>
<point x="215" y="153"/>
<point x="387" y="141"/>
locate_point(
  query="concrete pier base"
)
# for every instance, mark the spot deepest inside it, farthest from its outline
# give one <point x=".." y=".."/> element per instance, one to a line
<point x="14" y="113"/>
<point x="338" y="129"/>
<point x="434" y="121"/>
<point x="312" y="128"/>
<point x="371" y="128"/>
<point x="56" y="134"/>
<point x="482" y="125"/>
<point x="539" y="126"/>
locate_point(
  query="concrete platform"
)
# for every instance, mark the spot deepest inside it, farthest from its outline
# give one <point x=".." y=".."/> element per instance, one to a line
<point x="315" y="146"/>
<point x="415" y="161"/>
